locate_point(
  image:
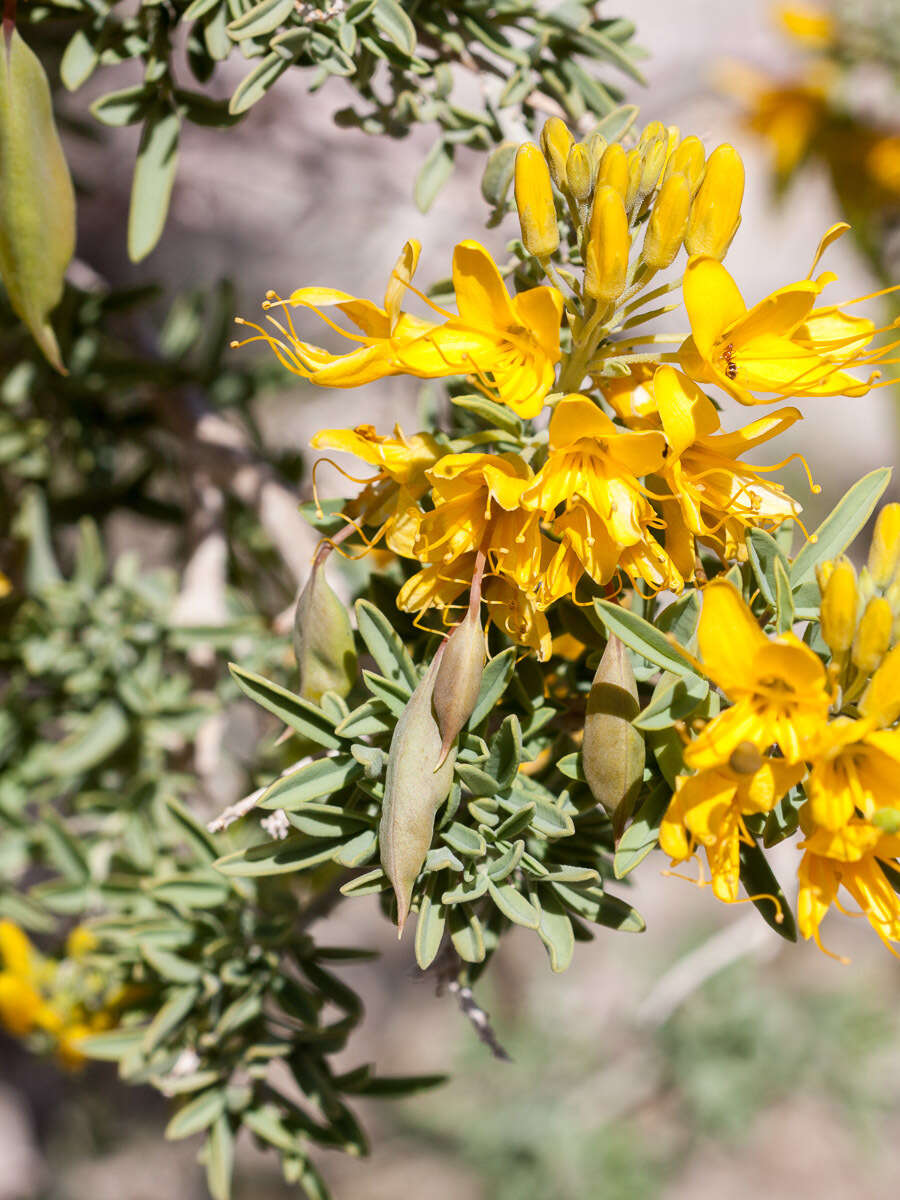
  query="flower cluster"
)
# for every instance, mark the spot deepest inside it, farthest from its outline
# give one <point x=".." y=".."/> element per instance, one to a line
<point x="821" y="739"/>
<point x="614" y="468"/>
<point x="55" y="1002"/>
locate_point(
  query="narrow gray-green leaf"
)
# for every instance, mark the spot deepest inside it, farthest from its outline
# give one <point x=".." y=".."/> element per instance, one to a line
<point x="841" y="525"/>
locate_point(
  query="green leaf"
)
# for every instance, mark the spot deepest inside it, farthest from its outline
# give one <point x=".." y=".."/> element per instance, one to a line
<point x="572" y="767"/>
<point x="385" y="645"/>
<point x="841" y="525"/>
<point x="254" y="86"/>
<point x="173" y="1013"/>
<point x="172" y="968"/>
<point x="430" y="925"/>
<point x="300" y="715"/>
<point x="98" y="737"/>
<point x="680" y="618"/>
<point x="466" y="934"/>
<point x="110" y="1047"/>
<point x="328" y="821"/>
<point x="764" y="890"/>
<point x="784" y="601"/>
<point x="395" y="25"/>
<point x="618" y="122"/>
<point x="154" y="174"/>
<point x="198" y="1114"/>
<point x="393" y="696"/>
<point x="503" y="866"/>
<point x="79" y="59"/>
<point x="202" y="842"/>
<point x="280" y="857"/>
<point x="464" y="840"/>
<point x="555" y="930"/>
<point x="189" y="890"/>
<point x="498" y="175"/>
<point x="510" y="901"/>
<point x="497" y="673"/>
<point x="323" y="777"/>
<point x="433" y="174"/>
<point x="126" y="106"/>
<point x="357" y="850"/>
<point x="219" y="1152"/>
<point x="367" y="883"/>
<point x="506" y="751"/>
<point x="672" y="703"/>
<point x="494" y="415"/>
<point x="642" y="637"/>
<point x="261" y="19"/>
<point x="764" y="552"/>
<point x="642" y="834"/>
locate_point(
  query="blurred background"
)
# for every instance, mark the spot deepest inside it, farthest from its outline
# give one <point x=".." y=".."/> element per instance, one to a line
<point x="704" y="1057"/>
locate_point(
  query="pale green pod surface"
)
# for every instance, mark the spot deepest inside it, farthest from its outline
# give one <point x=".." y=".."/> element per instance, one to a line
<point x="613" y="750"/>
<point x="458" y="680"/>
<point x="323" y="639"/>
<point x="37" y="201"/>
<point x="413" y="792"/>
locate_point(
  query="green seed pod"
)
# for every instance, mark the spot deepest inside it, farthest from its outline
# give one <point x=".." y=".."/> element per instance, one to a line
<point x="613" y="750"/>
<point x="413" y="791"/>
<point x="37" y="201"/>
<point x="323" y="639"/>
<point x="458" y="680"/>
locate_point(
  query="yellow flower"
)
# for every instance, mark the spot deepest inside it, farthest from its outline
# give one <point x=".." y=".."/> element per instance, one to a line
<point x="782" y="345"/>
<point x="716" y="496"/>
<point x="777" y="688"/>
<point x="807" y="24"/>
<point x="852" y="857"/>
<point x="854" y="770"/>
<point x="589" y="487"/>
<point x="708" y="810"/>
<point x="389" y="497"/>
<point x="516" y="613"/>
<point x="510" y="344"/>
<point x="20" y="1004"/>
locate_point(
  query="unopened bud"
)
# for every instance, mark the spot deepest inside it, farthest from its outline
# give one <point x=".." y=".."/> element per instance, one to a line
<point x="884" y="552"/>
<point x="745" y="759"/>
<point x="652" y="166"/>
<point x="651" y="132"/>
<point x="840" y="603"/>
<point x="596" y="147"/>
<point x="716" y="211"/>
<point x="413" y="791"/>
<point x="635" y="164"/>
<point x="459" y="680"/>
<point x="556" y="141"/>
<point x="873" y="636"/>
<point x="824" y="571"/>
<point x="579" y="173"/>
<point x="881" y="699"/>
<point x="613" y="751"/>
<point x="688" y="159"/>
<point x="673" y="137"/>
<point x="608" y="247"/>
<point x="613" y="169"/>
<point x="323" y="639"/>
<point x="534" y="201"/>
<point x="667" y="224"/>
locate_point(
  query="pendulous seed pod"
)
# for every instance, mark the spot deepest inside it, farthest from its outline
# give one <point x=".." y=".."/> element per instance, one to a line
<point x="613" y="751"/>
<point x="413" y="791"/>
<point x="323" y="639"/>
<point x="608" y="247"/>
<point x="667" y="224"/>
<point x="716" y="211"/>
<point x="458" y="680"/>
<point x="534" y="201"/>
<point x="37" y="201"/>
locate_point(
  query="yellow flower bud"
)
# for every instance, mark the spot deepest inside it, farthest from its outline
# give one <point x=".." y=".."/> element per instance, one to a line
<point x="596" y="147"/>
<point x="884" y="553"/>
<point x="579" y="173"/>
<point x="873" y="636"/>
<point x="716" y="211"/>
<point x="688" y="159"/>
<point x="556" y="141"/>
<point x="667" y="224"/>
<point x="81" y="941"/>
<point x="824" y="571"/>
<point x="654" y="161"/>
<point x="608" y="246"/>
<point x="613" y="169"/>
<point x="651" y="132"/>
<point x="534" y="200"/>
<point x="673" y="137"/>
<point x="635" y="164"/>
<point x="839" y="607"/>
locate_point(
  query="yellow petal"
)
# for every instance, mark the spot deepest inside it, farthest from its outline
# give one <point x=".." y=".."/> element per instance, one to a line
<point x="481" y="295"/>
<point x="728" y="636"/>
<point x="686" y="413"/>
<point x="712" y="301"/>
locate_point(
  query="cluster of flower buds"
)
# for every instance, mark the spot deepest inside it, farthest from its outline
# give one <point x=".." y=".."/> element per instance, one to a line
<point x="860" y="617"/>
<point x="663" y="182"/>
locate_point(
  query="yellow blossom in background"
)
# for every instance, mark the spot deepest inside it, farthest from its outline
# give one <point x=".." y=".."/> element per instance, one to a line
<point x="777" y="687"/>
<point x="708" y="810"/>
<point x="807" y="23"/>
<point x="855" y="769"/>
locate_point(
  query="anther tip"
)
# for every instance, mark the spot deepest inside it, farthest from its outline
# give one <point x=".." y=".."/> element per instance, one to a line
<point x="233" y="345"/>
